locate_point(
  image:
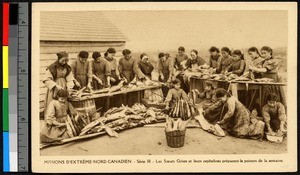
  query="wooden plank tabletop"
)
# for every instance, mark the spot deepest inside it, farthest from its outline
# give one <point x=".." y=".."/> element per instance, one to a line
<point x="245" y="82"/>
<point x="94" y="96"/>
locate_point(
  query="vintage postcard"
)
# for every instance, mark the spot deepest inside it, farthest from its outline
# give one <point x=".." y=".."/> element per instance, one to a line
<point x="164" y="87"/>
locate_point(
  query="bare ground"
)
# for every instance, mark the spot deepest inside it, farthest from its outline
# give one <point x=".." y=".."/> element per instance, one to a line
<point x="150" y="140"/>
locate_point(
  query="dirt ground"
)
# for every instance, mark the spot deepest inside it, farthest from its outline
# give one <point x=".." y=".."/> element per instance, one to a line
<point x="151" y="140"/>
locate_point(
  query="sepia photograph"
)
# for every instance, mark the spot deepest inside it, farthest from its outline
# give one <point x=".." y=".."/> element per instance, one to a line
<point x="162" y="81"/>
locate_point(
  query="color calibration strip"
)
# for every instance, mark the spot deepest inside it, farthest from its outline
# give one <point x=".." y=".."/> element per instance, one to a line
<point x="5" y="102"/>
<point x="10" y="86"/>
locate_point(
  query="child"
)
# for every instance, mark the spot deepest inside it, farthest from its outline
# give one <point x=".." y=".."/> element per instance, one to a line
<point x="101" y="71"/>
<point x="238" y="63"/>
<point x="274" y="115"/>
<point x="175" y="94"/>
<point x="81" y="70"/>
<point x="56" y="117"/>
<point x="207" y="95"/>
<point x="226" y="60"/>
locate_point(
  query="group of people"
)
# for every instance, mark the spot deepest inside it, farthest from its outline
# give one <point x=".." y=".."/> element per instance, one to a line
<point x="105" y="71"/>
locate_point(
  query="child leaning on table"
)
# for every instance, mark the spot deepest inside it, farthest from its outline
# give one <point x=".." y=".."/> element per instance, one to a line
<point x="175" y="94"/>
<point x="56" y="117"/>
<point x="207" y="96"/>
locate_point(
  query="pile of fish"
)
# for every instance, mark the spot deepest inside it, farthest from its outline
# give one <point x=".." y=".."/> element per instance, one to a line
<point x="179" y="115"/>
<point x="85" y="91"/>
<point x="266" y="80"/>
<point x="117" y="119"/>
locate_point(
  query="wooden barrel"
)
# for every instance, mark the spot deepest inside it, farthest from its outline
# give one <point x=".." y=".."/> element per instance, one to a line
<point x="85" y="107"/>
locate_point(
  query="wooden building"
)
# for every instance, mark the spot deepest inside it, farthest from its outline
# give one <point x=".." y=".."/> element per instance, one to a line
<point x="75" y="31"/>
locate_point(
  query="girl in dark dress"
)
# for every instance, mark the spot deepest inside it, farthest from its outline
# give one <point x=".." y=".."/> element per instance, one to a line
<point x="226" y="60"/>
<point x="238" y="63"/>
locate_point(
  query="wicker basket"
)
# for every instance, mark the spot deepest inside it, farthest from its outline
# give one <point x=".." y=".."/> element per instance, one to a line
<point x="175" y="139"/>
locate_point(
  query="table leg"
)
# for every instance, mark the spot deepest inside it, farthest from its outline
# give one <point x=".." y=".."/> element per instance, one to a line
<point x="139" y="96"/>
<point x="260" y="97"/>
<point x="233" y="88"/>
<point x="107" y="104"/>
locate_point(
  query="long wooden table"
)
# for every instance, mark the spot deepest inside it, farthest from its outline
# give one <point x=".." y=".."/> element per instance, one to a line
<point x="114" y="99"/>
<point x="235" y="86"/>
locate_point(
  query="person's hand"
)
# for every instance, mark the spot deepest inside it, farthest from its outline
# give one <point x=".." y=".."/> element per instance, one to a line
<point x="271" y="133"/>
<point x="162" y="77"/>
<point x="220" y="122"/>
<point x="100" y="81"/>
<point x="62" y="125"/>
<point x="197" y="91"/>
<point x="77" y="84"/>
<point x="167" y="107"/>
<point x="169" y="80"/>
<point x="89" y="85"/>
<point x="112" y="79"/>
<point x="125" y="80"/>
<point x="58" y="87"/>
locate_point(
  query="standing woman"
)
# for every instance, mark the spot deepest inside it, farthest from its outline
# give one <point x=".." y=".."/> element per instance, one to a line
<point x="165" y="71"/>
<point x="180" y="57"/>
<point x="238" y="63"/>
<point x="58" y="76"/>
<point x="165" y="68"/>
<point x="129" y="68"/>
<point x="195" y="61"/>
<point x="81" y="70"/>
<point x="270" y="65"/>
<point x="115" y="74"/>
<point x="145" y="66"/>
<point x="100" y="71"/>
<point x="256" y="61"/>
<point x="226" y="60"/>
<point x="215" y="58"/>
<point x="269" y="69"/>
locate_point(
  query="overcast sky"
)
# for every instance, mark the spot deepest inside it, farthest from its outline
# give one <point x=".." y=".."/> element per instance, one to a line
<point x="166" y="30"/>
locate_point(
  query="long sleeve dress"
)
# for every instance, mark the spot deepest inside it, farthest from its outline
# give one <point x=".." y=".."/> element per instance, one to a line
<point x="237" y="67"/>
<point x="224" y="64"/>
<point x="57" y="75"/>
<point x="192" y="62"/>
<point x="175" y="95"/>
<point x="100" y="69"/>
<point x="235" y="118"/>
<point x="272" y="66"/>
<point x="178" y="59"/>
<point x="166" y="68"/>
<point x="257" y="62"/>
<point x="56" y="112"/>
<point x="129" y="69"/>
<point x="82" y="72"/>
<point x="146" y="68"/>
<point x="274" y="115"/>
<point x="114" y="70"/>
<point x="215" y="62"/>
